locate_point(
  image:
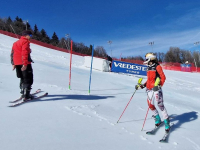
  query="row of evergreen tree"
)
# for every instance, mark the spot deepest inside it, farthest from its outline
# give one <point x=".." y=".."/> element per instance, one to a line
<point x="18" y="25"/>
<point x="174" y="54"/>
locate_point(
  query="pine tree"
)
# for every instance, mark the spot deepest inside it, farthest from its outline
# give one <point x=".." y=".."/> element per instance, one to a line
<point x="43" y="33"/>
<point x="17" y="18"/>
<point x="44" y="37"/>
<point x="19" y="25"/>
<point x="35" y="31"/>
<point x="54" y="39"/>
<point x="28" y="26"/>
<point x="9" y="21"/>
<point x="20" y="20"/>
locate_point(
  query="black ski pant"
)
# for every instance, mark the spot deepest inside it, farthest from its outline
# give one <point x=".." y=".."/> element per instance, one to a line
<point x="26" y="76"/>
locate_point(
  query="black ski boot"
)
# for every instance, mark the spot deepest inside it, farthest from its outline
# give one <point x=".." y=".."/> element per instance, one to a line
<point x="27" y="96"/>
<point x="22" y="93"/>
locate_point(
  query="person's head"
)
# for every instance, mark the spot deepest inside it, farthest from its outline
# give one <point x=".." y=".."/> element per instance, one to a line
<point x="27" y="33"/>
<point x="150" y="59"/>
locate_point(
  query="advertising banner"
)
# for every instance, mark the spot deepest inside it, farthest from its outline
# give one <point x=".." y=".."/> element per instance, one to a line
<point x="186" y="67"/>
<point x="129" y="68"/>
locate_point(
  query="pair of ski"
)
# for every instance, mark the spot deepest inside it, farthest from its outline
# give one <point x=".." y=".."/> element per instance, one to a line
<point x="166" y="135"/>
<point x="20" y="100"/>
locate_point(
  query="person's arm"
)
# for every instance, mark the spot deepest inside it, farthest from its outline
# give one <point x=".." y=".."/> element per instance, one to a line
<point x="162" y="75"/>
<point x="11" y="58"/>
<point x="25" y="52"/>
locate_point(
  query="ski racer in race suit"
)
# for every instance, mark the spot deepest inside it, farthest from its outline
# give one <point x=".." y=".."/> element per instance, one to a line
<point x="154" y="93"/>
<point x="21" y="61"/>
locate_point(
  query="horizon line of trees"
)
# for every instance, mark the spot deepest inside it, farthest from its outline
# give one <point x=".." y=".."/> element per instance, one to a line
<point x="174" y="54"/>
<point x="17" y="25"/>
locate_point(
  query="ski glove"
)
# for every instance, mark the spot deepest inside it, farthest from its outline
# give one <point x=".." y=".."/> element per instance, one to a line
<point x="156" y="88"/>
<point x="139" y="86"/>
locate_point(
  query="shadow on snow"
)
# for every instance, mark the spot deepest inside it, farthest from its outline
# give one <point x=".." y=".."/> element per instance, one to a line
<point x="181" y="119"/>
<point x="72" y="97"/>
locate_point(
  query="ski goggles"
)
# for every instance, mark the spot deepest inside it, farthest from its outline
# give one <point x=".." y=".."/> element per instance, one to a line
<point x="31" y="35"/>
<point x="147" y="60"/>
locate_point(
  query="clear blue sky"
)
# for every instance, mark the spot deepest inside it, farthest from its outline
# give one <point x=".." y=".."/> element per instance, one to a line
<point x="129" y="24"/>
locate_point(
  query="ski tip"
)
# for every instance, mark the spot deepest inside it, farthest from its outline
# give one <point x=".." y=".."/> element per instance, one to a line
<point x="38" y="90"/>
<point x="163" y="141"/>
<point x="149" y="133"/>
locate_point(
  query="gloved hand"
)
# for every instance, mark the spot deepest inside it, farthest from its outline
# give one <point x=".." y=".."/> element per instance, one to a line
<point x="139" y="86"/>
<point x="156" y="88"/>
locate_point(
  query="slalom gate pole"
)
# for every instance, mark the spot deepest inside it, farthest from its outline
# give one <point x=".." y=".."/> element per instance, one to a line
<point x="139" y="82"/>
<point x="91" y="69"/>
<point x="155" y="84"/>
<point x="70" y="65"/>
<point x="126" y="106"/>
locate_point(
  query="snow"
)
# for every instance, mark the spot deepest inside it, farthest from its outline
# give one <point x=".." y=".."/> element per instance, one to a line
<point x="74" y="120"/>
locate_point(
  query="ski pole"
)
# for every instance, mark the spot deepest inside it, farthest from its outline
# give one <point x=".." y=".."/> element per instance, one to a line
<point x="147" y="112"/>
<point x="155" y="84"/>
<point x="139" y="82"/>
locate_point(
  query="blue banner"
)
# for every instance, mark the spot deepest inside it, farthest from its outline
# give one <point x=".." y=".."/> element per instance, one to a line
<point x="186" y="67"/>
<point x="130" y="68"/>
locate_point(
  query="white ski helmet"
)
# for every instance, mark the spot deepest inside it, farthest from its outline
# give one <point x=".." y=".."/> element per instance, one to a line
<point x="149" y="57"/>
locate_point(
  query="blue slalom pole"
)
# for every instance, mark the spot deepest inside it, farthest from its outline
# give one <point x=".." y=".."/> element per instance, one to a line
<point x="91" y="68"/>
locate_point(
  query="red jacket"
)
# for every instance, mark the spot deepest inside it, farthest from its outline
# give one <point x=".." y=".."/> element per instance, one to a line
<point x="20" y="54"/>
<point x="152" y="73"/>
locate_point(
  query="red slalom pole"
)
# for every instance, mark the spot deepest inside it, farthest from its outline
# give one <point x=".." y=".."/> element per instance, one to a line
<point x="70" y="66"/>
<point x="126" y="107"/>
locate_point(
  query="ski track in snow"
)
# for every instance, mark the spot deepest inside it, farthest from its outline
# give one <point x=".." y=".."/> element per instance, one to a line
<point x="194" y="145"/>
<point x="89" y="111"/>
<point x="140" y="108"/>
<point x="178" y="84"/>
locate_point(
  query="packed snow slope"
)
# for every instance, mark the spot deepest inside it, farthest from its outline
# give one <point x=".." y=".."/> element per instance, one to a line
<point x="73" y="120"/>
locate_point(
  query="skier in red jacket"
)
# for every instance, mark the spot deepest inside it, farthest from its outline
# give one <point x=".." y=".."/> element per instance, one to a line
<point x="21" y="61"/>
<point x="154" y="92"/>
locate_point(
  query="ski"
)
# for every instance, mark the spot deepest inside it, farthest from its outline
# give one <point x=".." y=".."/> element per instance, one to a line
<point x="166" y="135"/>
<point x="36" y="92"/>
<point x="22" y="102"/>
<point x="154" y="130"/>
